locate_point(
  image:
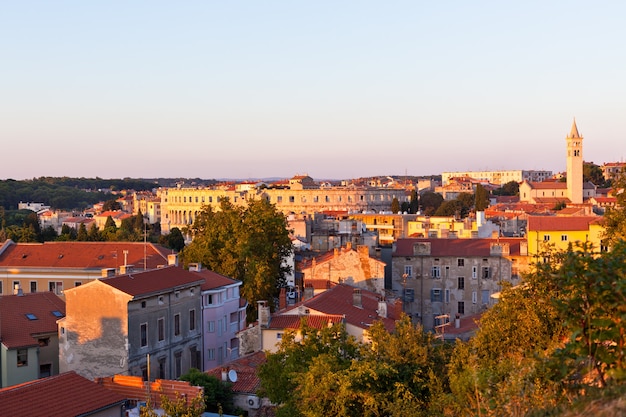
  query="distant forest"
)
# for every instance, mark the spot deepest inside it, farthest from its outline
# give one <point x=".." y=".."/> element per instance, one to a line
<point x="66" y="193"/>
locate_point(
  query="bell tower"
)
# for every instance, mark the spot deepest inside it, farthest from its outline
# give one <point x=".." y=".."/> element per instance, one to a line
<point x="574" y="165"/>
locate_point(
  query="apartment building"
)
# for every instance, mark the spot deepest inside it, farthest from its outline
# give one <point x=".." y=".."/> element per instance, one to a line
<point x="443" y="278"/>
<point x="499" y="177"/>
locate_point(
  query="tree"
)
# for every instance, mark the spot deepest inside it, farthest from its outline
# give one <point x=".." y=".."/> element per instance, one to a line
<point x="111" y="205"/>
<point x="430" y="202"/>
<point x="395" y="205"/>
<point x="593" y="173"/>
<point x="413" y="202"/>
<point x="481" y="197"/>
<point x="615" y="217"/>
<point x="94" y="233"/>
<point x="82" y="235"/>
<point x="249" y="245"/>
<point x="217" y="394"/>
<point x="174" y="240"/>
<point x="511" y="188"/>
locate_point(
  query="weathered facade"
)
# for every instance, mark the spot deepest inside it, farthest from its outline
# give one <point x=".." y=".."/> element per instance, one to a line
<point x="116" y="325"/>
<point x="446" y="277"/>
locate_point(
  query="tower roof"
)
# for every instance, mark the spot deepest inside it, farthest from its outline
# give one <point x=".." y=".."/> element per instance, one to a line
<point x="573" y="134"/>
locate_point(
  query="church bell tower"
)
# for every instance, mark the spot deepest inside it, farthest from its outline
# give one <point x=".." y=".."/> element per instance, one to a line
<point x="574" y="165"/>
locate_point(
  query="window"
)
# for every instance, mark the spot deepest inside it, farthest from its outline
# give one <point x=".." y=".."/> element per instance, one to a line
<point x="408" y="271"/>
<point x="0" y="287"/>
<point x="33" y="286"/>
<point x="143" y="331"/>
<point x="435" y="295"/>
<point x="161" y="371"/>
<point x="292" y="199"/>
<point x="192" y="319"/>
<point x="16" y="284"/>
<point x="194" y="355"/>
<point x="474" y="272"/>
<point x="563" y="238"/>
<point x="461" y="283"/>
<point x="447" y="296"/>
<point x="279" y="336"/>
<point x="178" y="364"/>
<point x="45" y="370"/>
<point x="461" y="307"/>
<point x="22" y="357"/>
<point x="546" y="238"/>
<point x="486" y="272"/>
<point x="43" y="342"/>
<point x="176" y="324"/>
<point x="143" y="304"/>
<point x="57" y="314"/>
<point x="210" y="354"/>
<point x="460" y="262"/>
<point x="211" y="326"/>
<point x="161" y="328"/>
<point x="78" y="283"/>
<point x="484" y="297"/>
<point x="56" y="287"/>
<point x="435" y="272"/>
<point x="409" y="295"/>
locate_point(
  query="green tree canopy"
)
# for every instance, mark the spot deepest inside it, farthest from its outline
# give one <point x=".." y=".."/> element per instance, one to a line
<point x="217" y="394"/>
<point x="395" y="205"/>
<point x="482" y="198"/>
<point x="430" y="202"/>
<point x="246" y="244"/>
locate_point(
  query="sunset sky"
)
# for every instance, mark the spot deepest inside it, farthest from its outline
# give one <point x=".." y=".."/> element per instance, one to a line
<point x="333" y="89"/>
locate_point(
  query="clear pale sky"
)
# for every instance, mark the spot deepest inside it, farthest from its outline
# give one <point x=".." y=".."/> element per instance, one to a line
<point x="333" y="89"/>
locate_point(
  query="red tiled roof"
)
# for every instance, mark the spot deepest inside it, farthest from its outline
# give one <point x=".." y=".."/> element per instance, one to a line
<point x="548" y="185"/>
<point x="555" y="223"/>
<point x="338" y="301"/>
<point x="154" y="281"/>
<point x="67" y="394"/>
<point x="292" y="321"/>
<point x="82" y="255"/>
<point x="16" y="329"/>
<point x="458" y="247"/>
<point x="214" y="280"/>
<point x="246" y="367"/>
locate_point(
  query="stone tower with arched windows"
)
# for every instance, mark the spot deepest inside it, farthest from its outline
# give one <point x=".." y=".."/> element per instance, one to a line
<point x="574" y="165"/>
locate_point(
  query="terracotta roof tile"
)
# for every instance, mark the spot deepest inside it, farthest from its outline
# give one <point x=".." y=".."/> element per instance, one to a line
<point x="82" y="255"/>
<point x="556" y="223"/>
<point x="246" y="367"/>
<point x="338" y="301"/>
<point x="214" y="280"/>
<point x="17" y="329"/>
<point x="153" y="281"/>
<point x="458" y="247"/>
<point x="292" y="321"/>
<point x="63" y="395"/>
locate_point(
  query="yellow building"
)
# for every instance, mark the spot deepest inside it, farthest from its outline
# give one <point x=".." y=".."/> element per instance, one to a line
<point x="545" y="232"/>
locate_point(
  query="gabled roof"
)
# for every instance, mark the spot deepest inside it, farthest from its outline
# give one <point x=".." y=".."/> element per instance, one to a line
<point x="557" y="223"/>
<point x="246" y="367"/>
<point x="154" y="281"/>
<point x="292" y="321"/>
<point x="338" y="301"/>
<point x="213" y="280"/>
<point x="67" y="394"/>
<point x="548" y="185"/>
<point x="16" y="329"/>
<point x="458" y="247"/>
<point x="82" y="255"/>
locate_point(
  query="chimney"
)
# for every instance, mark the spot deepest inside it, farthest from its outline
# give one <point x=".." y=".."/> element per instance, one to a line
<point x="264" y="313"/>
<point x="397" y="309"/>
<point x="523" y="248"/>
<point x="107" y="272"/>
<point x="282" y="299"/>
<point x="17" y="290"/>
<point x="172" y="259"/>
<point x="349" y="245"/>
<point x="382" y="308"/>
<point x="336" y="252"/>
<point x="195" y="267"/>
<point x="224" y="374"/>
<point x="308" y="292"/>
<point x="356" y="298"/>
<point x="126" y="269"/>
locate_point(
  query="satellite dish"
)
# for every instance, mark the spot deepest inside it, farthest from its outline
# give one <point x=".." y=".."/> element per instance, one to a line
<point x="232" y="375"/>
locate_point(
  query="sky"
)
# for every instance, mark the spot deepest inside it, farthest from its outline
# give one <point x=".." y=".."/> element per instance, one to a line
<point x="333" y="89"/>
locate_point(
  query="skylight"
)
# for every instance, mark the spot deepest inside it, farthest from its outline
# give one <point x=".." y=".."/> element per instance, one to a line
<point x="57" y="313"/>
<point x="31" y="316"/>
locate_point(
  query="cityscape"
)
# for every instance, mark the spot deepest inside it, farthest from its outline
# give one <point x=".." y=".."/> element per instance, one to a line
<point x="302" y="209"/>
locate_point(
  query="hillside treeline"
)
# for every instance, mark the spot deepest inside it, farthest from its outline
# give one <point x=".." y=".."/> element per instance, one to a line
<point x="64" y="193"/>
